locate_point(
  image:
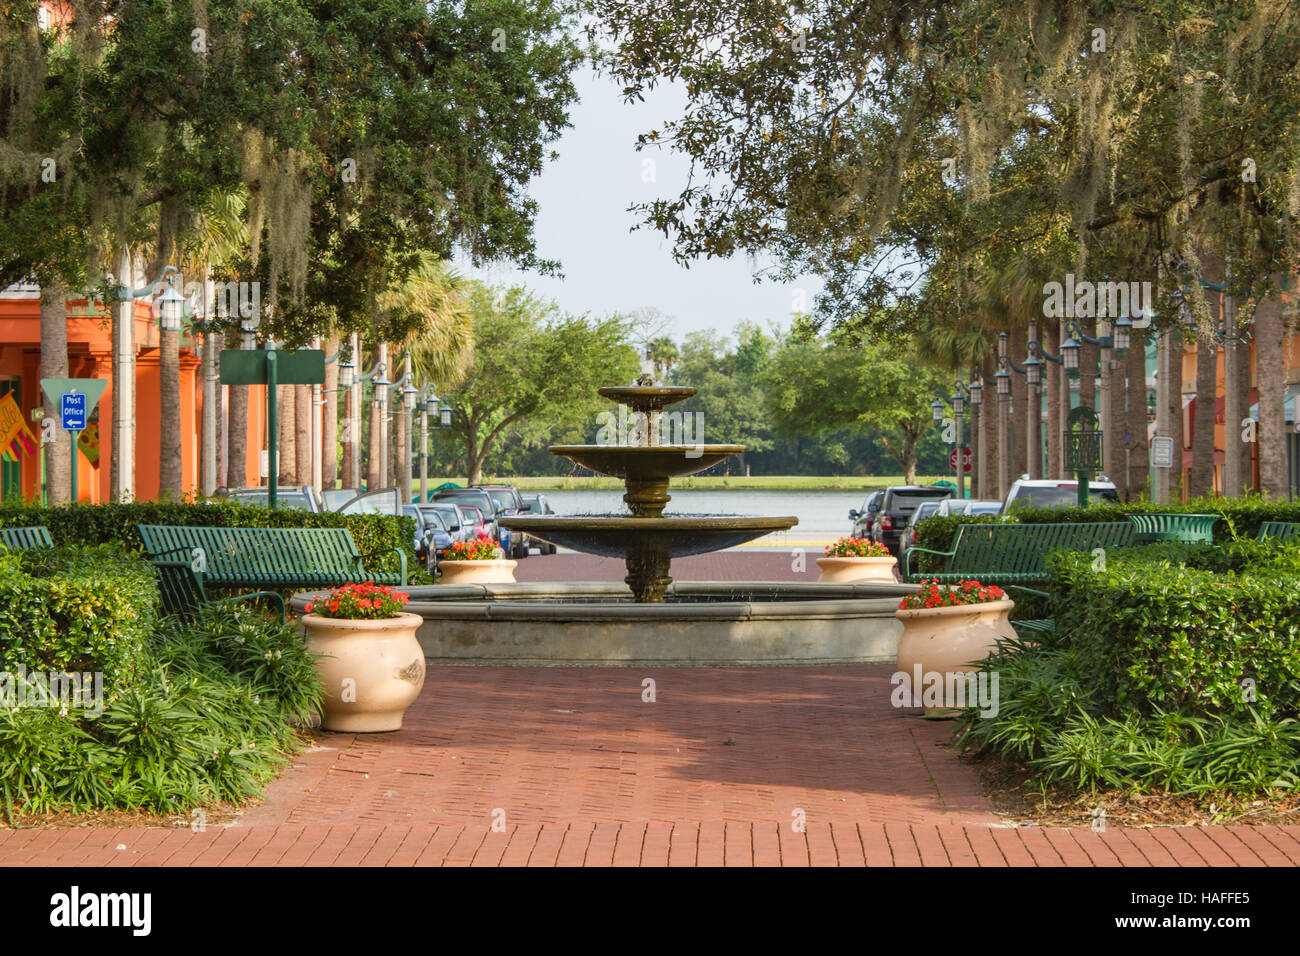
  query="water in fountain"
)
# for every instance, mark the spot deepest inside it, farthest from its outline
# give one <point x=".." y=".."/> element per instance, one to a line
<point x="645" y="539"/>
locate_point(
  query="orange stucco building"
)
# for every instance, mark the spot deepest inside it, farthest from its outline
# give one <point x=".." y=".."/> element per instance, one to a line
<point x="90" y="350"/>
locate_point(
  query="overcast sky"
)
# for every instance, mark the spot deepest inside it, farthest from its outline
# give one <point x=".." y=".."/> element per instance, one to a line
<point x="584" y="223"/>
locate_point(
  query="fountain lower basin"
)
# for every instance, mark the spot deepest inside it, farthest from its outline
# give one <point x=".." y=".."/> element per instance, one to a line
<point x="699" y="623"/>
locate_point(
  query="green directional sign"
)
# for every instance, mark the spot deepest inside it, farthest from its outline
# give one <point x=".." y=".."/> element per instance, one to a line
<point x="272" y="367"/>
<point x="74" y="400"/>
<point x="250" y="367"/>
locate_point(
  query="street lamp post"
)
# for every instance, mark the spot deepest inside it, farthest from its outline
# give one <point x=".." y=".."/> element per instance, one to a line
<point x="428" y="401"/>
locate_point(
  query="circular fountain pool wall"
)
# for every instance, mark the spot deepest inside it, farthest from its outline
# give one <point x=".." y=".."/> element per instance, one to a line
<point x="698" y="623"/>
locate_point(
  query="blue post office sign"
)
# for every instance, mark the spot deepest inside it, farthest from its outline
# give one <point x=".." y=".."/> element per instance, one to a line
<point x="74" y="407"/>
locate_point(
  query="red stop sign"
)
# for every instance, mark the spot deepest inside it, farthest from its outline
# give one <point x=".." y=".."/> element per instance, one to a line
<point x="965" y="460"/>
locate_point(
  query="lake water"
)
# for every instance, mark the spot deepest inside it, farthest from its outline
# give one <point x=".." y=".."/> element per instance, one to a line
<point x="823" y="515"/>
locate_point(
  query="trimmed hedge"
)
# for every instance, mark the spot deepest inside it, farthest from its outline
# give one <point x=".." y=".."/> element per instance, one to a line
<point x="77" y="610"/>
<point x="1173" y="627"/>
<point x="1241" y="519"/>
<point x="88" y="525"/>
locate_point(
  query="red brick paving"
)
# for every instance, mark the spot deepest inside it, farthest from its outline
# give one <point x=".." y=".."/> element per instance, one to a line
<point x="575" y="769"/>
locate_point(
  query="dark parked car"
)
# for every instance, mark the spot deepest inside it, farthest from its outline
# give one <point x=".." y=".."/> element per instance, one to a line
<point x="863" y="518"/>
<point x="925" y="509"/>
<point x="454" y="520"/>
<point x="508" y="502"/>
<point x="897" y="507"/>
<point x="438" y="536"/>
<point x="538" y="505"/>
<point x="475" y="497"/>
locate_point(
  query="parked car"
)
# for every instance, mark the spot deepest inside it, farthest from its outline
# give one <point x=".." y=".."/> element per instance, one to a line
<point x="897" y="506"/>
<point x="479" y="528"/>
<point x="508" y="501"/>
<point x="286" y="496"/>
<point x="907" y="537"/>
<point x="478" y="498"/>
<point x="968" y="506"/>
<point x="381" y="501"/>
<point x="454" y="520"/>
<point x="423" y="534"/>
<point x="437" y="536"/>
<point x="336" y="498"/>
<point x="538" y="505"/>
<point x="862" y="518"/>
<point x="1029" y="492"/>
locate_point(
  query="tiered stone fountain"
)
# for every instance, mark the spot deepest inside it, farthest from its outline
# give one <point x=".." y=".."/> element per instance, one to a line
<point x="644" y="538"/>
<point x="656" y="621"/>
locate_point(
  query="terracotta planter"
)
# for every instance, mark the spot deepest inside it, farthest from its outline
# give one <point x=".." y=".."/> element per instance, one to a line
<point x="849" y="570"/>
<point x="372" y="670"/>
<point x="943" y="640"/>
<point x="497" y="571"/>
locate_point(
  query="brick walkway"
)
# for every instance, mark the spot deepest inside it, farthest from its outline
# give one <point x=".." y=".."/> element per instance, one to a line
<point x="574" y="768"/>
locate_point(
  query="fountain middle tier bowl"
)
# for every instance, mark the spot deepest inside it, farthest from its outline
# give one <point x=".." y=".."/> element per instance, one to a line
<point x="619" y="536"/>
<point x="646" y="462"/>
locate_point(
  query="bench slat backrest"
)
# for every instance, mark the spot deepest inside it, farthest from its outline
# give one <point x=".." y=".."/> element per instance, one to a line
<point x="20" y="539"/>
<point x="262" y="556"/>
<point x="1020" y="548"/>
<point x="1281" y="530"/>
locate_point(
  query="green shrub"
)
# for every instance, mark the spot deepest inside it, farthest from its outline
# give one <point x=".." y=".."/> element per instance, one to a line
<point x="1050" y="721"/>
<point x="77" y="610"/>
<point x="211" y="719"/>
<point x="80" y="524"/>
<point x="1181" y="628"/>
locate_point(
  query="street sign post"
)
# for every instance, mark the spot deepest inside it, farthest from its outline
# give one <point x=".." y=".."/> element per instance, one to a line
<point x="1162" y="452"/>
<point x="76" y="399"/>
<point x="271" y="367"/>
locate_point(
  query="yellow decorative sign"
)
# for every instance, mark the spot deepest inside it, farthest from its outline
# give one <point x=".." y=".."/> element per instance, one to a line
<point x="15" y="439"/>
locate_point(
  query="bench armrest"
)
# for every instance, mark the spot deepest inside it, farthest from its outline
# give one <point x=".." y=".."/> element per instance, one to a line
<point x="907" y="558"/>
<point x="401" y="559"/>
<point x="1033" y="591"/>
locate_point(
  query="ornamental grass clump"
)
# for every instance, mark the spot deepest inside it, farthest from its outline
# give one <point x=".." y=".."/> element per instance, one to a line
<point x="856" y="548"/>
<point x="481" y="548"/>
<point x="933" y="594"/>
<point x="359" y="602"/>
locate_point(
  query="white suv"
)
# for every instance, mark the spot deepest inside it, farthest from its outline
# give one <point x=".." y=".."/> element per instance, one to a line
<point x="1029" y="492"/>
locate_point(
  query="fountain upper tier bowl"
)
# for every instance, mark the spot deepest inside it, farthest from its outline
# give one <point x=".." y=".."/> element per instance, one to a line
<point x="655" y="463"/>
<point x="646" y="398"/>
<point x="618" y="536"/>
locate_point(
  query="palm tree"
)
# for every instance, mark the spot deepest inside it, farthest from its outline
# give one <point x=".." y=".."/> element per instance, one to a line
<point x="54" y="364"/>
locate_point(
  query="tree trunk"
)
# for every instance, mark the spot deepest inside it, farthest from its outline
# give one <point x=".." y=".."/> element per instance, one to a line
<point x="121" y="471"/>
<point x="401" y="458"/>
<point x="1020" y="396"/>
<point x="1200" y="479"/>
<point x="1088" y="366"/>
<point x="373" y="477"/>
<point x="54" y="364"/>
<point x="1237" y="478"/>
<point x="170" y="473"/>
<point x="1175" y="412"/>
<point x="1139" y="456"/>
<point x="302" y="433"/>
<point x="1270" y="379"/>
<point x="991" y="415"/>
<point x="237" y="429"/>
<point x="909" y="459"/>
<point x="1114" y="419"/>
<point x="977" y="450"/>
<point x="1052" y="374"/>
<point x="287" y="452"/>
<point x="329" y="450"/>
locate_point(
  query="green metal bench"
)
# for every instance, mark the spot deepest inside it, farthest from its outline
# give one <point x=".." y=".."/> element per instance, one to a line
<point x="1281" y="530"/>
<point x="1012" y="553"/>
<point x="1188" y="528"/>
<point x="181" y="588"/>
<point x="23" y="539"/>
<point x="256" y="557"/>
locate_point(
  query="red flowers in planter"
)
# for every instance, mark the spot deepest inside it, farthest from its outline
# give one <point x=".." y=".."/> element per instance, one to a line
<point x="856" y="548"/>
<point x="933" y="594"/>
<point x="481" y="548"/>
<point x="358" y="602"/>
